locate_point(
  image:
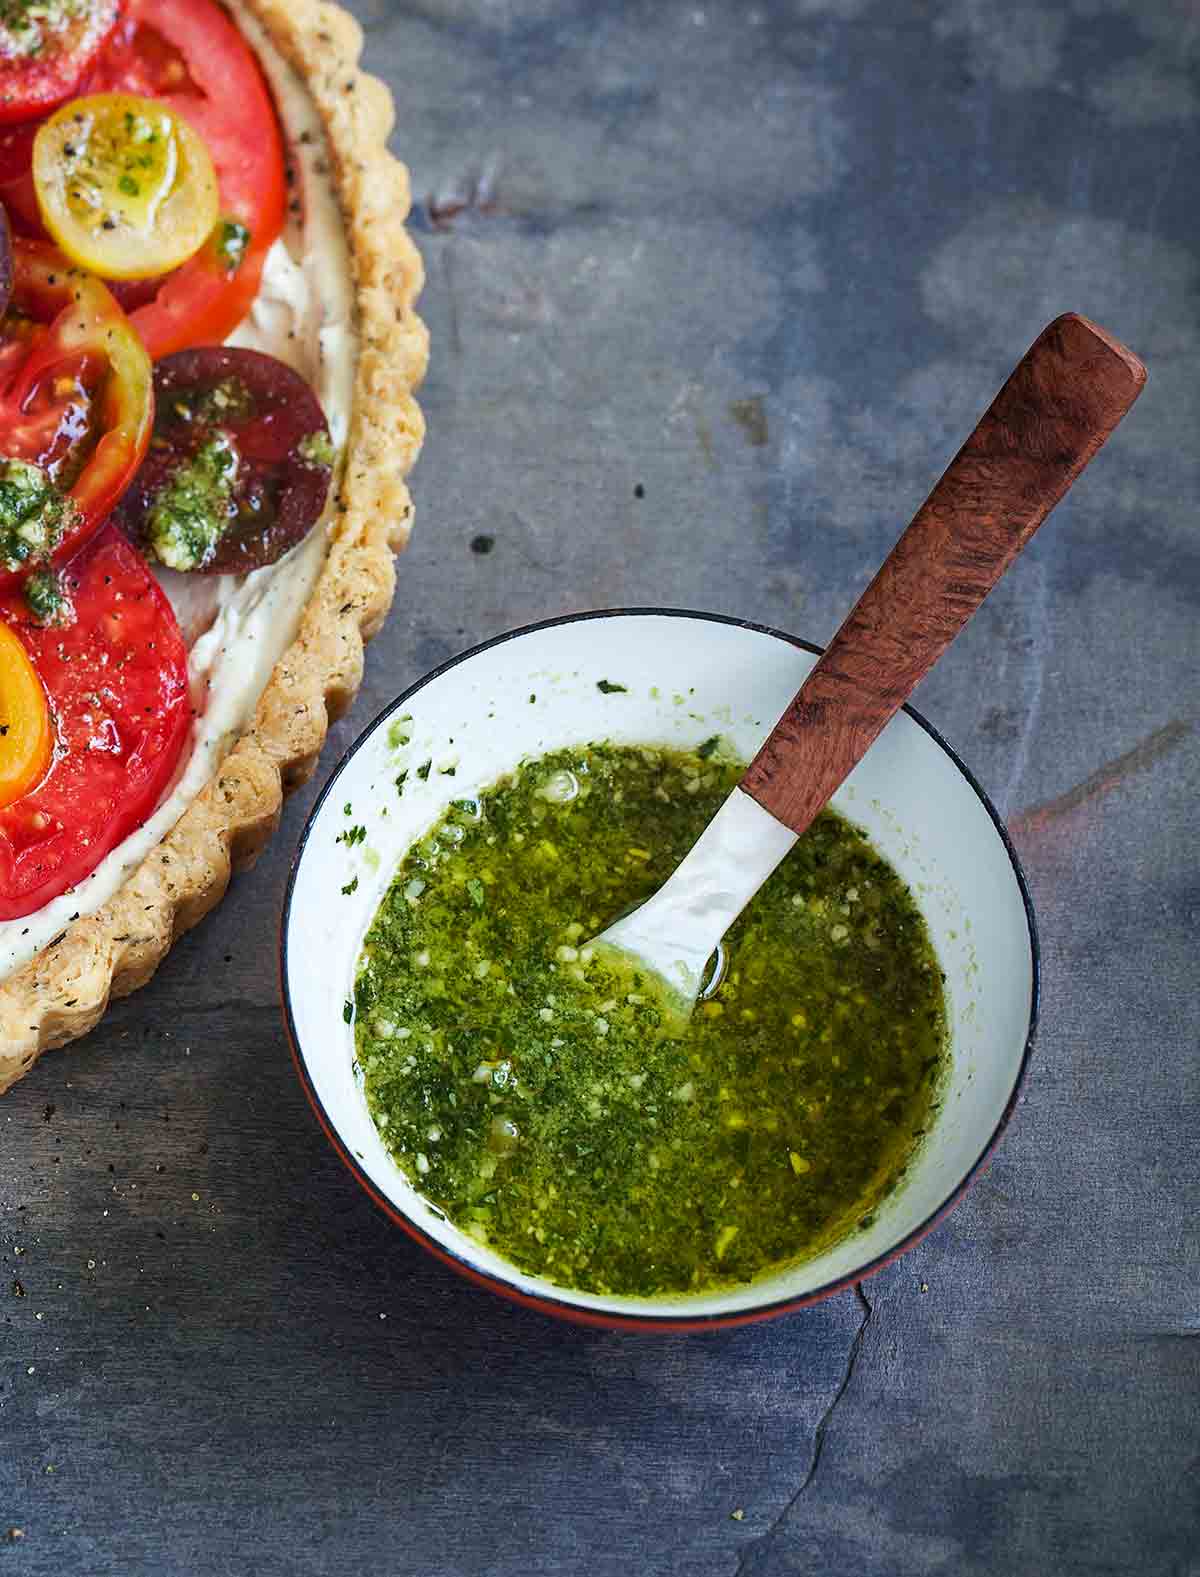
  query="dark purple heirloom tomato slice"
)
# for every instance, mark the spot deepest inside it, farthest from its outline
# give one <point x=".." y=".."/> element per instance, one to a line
<point x="239" y="462"/>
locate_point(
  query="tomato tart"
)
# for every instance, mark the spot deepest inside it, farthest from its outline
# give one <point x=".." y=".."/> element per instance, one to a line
<point x="208" y="352"/>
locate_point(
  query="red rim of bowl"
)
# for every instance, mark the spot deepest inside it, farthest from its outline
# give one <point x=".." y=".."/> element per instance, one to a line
<point x="561" y="1308"/>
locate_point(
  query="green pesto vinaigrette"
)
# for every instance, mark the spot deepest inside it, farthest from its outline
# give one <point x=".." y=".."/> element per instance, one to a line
<point x="547" y="1104"/>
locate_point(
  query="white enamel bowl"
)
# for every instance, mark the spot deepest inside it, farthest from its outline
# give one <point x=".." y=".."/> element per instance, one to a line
<point x="686" y="676"/>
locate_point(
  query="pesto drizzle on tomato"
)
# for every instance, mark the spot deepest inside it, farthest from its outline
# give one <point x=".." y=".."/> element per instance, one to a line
<point x="192" y="511"/>
<point x="35" y="515"/>
<point x="27" y="26"/>
<point x="48" y="599"/>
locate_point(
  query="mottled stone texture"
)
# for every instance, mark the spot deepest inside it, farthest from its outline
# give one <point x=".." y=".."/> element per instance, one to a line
<point x="715" y="290"/>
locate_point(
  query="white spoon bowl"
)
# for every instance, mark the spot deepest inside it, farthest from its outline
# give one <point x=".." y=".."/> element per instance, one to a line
<point x="685" y="677"/>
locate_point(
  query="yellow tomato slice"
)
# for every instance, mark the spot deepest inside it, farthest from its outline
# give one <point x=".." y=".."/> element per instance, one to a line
<point x="125" y="186"/>
<point x="26" y="733"/>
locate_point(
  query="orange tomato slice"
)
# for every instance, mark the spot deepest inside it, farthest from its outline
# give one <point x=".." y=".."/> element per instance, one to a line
<point x="26" y="732"/>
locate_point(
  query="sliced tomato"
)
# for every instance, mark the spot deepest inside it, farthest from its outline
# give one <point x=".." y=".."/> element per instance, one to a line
<point x="239" y="465"/>
<point x="125" y="185"/>
<point x="76" y="397"/>
<point x="26" y="727"/>
<point x="117" y="683"/>
<point x="189" y="54"/>
<point x="6" y="263"/>
<point x="46" y="48"/>
<point x="17" y="191"/>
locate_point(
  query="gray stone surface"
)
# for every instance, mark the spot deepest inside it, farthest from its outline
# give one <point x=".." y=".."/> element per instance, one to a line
<point x="764" y="263"/>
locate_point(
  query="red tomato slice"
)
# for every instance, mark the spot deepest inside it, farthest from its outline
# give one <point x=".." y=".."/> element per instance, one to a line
<point x="16" y="178"/>
<point x="189" y="53"/>
<point x="6" y="262"/>
<point x="117" y="683"/>
<point x="46" y="49"/>
<point x="76" y="392"/>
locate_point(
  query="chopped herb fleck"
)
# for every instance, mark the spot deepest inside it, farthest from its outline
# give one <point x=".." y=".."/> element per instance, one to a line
<point x="231" y="240"/>
<point x="423" y="770"/>
<point x="316" y="448"/>
<point x="607" y="687"/>
<point x="350" y="887"/>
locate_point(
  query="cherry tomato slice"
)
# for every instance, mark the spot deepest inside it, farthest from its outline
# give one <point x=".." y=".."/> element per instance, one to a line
<point x="76" y="407"/>
<point x="189" y="55"/>
<point x="238" y="469"/>
<point x="46" y="46"/>
<point x="125" y="185"/>
<point x="117" y="683"/>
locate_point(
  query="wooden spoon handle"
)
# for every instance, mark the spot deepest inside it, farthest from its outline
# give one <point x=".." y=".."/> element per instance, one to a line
<point x="1060" y="404"/>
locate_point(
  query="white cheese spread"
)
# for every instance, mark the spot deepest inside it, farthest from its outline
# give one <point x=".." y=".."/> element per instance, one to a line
<point x="238" y="626"/>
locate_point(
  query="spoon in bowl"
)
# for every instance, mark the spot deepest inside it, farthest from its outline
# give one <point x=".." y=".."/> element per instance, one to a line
<point x="1062" y="401"/>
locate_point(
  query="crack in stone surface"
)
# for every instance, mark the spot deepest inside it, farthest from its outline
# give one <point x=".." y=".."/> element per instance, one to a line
<point x="761" y="1544"/>
<point x="1111" y="775"/>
